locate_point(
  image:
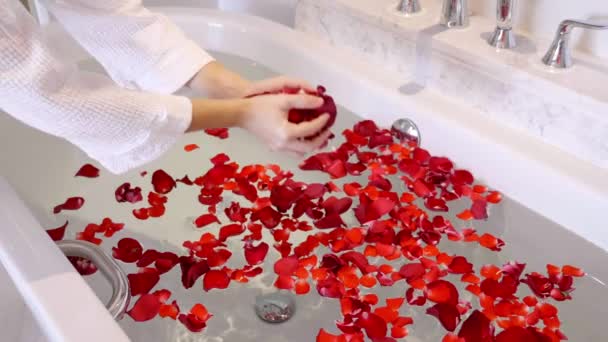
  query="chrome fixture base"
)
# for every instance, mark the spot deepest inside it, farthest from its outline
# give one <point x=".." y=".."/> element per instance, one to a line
<point x="275" y="307"/>
<point x="503" y="39"/>
<point x="407" y="132"/>
<point x="121" y="293"/>
<point x="455" y="14"/>
<point x="409" y="7"/>
<point x="559" y="55"/>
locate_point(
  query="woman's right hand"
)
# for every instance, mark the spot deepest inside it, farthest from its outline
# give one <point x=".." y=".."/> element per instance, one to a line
<point x="266" y="117"/>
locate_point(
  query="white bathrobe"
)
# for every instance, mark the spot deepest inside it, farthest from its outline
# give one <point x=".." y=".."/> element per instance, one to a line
<point x="122" y="122"/>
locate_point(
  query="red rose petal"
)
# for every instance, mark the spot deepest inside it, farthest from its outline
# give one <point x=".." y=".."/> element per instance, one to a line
<point x="365" y="128"/>
<point x="256" y="254"/>
<point x="324" y="336"/>
<point x="125" y="193"/>
<point x="88" y="171"/>
<point x="516" y="334"/>
<point x="572" y="271"/>
<point x="374" y="326"/>
<point x="111" y="227"/>
<point x="127" y="250"/>
<point x="491" y="242"/>
<point x="480" y="210"/>
<point x="72" y="203"/>
<point x="197" y="319"/>
<point x="421" y="156"/>
<point x="156" y="211"/>
<point x="450" y="337"/>
<point x="447" y="314"/>
<point x="143" y="282"/>
<point x="330" y="288"/>
<point x="57" y="234"/>
<point x="460" y="265"/>
<point x="190" y="147"/>
<point x="166" y="261"/>
<point x="337" y="169"/>
<point x="269" y="217"/>
<point x="145" y="309"/>
<point x="192" y="269"/>
<point x="302" y="287"/>
<point x="205" y="220"/>
<point x="162" y="182"/>
<point x="412" y="271"/>
<point x="286" y="266"/>
<point x="284" y="282"/>
<point x="462" y="177"/>
<point x="373" y="211"/>
<point x="436" y="204"/>
<point x="494" y="197"/>
<point x="221" y="133"/>
<point x="215" y="279"/>
<point x="171" y="311"/>
<point x="477" y="328"/>
<point x="218" y="257"/>
<point x="440" y="164"/>
<point x="141" y="214"/>
<point x="442" y="291"/>
<point x="231" y="230"/>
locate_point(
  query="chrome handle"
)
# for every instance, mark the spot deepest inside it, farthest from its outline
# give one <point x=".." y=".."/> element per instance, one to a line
<point x="559" y="55"/>
<point x="121" y="294"/>
<point x="409" y="6"/>
<point x="503" y="37"/>
<point x="454" y="13"/>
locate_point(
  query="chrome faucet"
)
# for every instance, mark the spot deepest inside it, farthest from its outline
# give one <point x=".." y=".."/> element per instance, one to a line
<point x="503" y="37"/>
<point x="409" y="6"/>
<point x="559" y="55"/>
<point x="455" y="14"/>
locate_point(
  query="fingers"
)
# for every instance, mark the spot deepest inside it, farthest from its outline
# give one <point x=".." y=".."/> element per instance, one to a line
<point x="306" y="146"/>
<point x="278" y="84"/>
<point x="302" y="101"/>
<point x="307" y="128"/>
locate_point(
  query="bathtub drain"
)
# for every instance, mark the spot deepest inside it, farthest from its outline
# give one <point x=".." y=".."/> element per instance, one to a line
<point x="276" y="307"/>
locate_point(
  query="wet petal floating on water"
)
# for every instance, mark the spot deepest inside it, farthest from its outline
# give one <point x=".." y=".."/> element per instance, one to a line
<point x="88" y="171"/>
<point x="145" y="308"/>
<point x="58" y="233"/>
<point x="221" y="133"/>
<point x="162" y="182"/>
<point x="125" y="193"/>
<point x="191" y="147"/>
<point x="215" y="279"/>
<point x="127" y="250"/>
<point x="256" y="254"/>
<point x="143" y="281"/>
<point x="72" y="203"/>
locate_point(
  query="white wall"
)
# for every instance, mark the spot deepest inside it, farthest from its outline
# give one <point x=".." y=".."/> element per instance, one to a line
<point x="540" y="18"/>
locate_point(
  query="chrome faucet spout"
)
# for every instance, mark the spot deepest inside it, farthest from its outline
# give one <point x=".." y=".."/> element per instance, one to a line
<point x="559" y="54"/>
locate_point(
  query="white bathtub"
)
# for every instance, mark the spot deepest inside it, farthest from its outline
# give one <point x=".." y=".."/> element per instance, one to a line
<point x="564" y="200"/>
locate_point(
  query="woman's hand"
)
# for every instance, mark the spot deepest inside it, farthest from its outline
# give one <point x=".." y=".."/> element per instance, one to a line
<point x="266" y="117"/>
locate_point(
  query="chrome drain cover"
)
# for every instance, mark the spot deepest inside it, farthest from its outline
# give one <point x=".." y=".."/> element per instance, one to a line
<point x="276" y="307"/>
